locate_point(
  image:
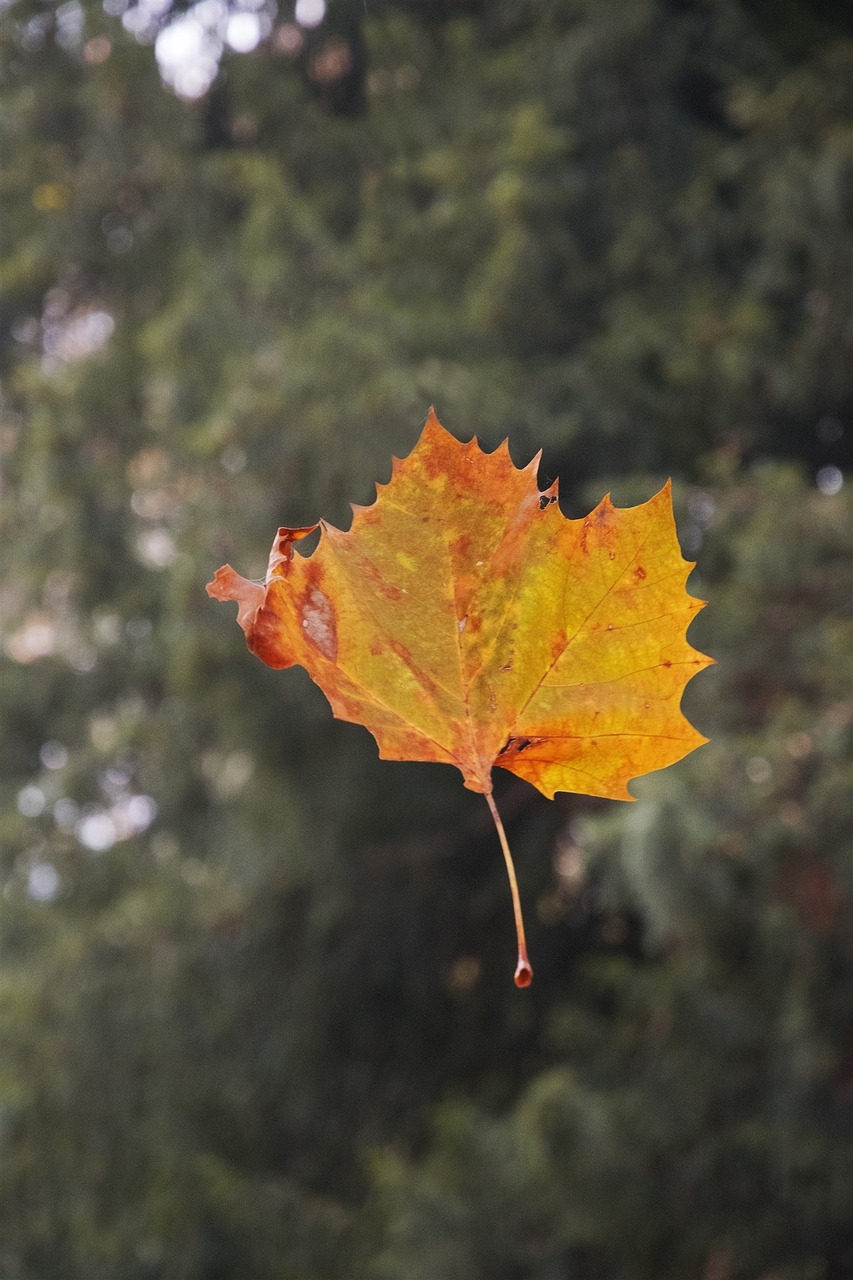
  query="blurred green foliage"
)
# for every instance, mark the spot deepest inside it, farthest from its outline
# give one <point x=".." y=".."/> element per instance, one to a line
<point x="256" y="1012"/>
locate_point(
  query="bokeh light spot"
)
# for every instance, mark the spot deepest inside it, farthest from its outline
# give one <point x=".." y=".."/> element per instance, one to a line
<point x="310" y="13"/>
<point x="829" y="480"/>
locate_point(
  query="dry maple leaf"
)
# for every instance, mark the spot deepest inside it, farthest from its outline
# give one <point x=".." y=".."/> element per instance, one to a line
<point x="464" y="619"/>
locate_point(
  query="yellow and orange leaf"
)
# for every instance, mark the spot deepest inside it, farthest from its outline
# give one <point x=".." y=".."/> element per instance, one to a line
<point x="464" y="619"/>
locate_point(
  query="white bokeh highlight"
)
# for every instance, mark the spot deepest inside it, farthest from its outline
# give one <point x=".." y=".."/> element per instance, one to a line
<point x="310" y="13"/>
<point x="189" y="49"/>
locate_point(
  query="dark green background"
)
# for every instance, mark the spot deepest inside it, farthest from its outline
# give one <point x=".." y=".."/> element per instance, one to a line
<point x="271" y="1034"/>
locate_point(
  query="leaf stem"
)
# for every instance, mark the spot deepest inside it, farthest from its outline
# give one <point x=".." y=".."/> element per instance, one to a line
<point x="523" y="971"/>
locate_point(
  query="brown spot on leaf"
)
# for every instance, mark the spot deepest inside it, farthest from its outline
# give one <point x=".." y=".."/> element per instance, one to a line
<point x="558" y="644"/>
<point x="515" y="747"/>
<point x="318" y="623"/>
